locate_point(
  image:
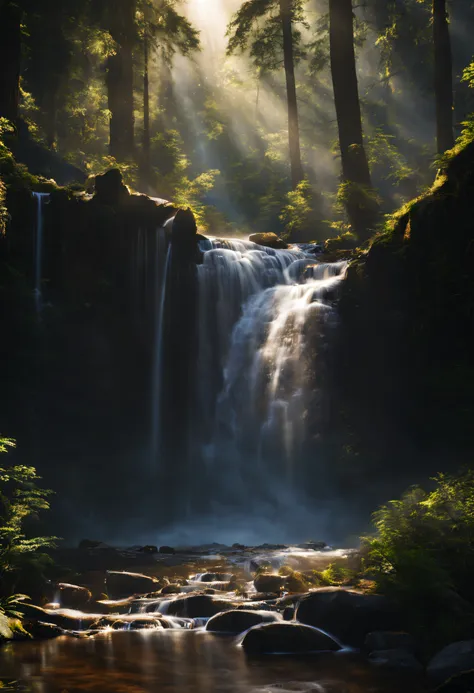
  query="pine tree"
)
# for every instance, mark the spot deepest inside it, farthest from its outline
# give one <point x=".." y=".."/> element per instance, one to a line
<point x="358" y="193"/>
<point x="443" y="63"/>
<point x="277" y="36"/>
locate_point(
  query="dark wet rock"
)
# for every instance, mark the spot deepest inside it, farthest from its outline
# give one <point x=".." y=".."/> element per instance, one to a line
<point x="144" y="624"/>
<point x="216" y="577"/>
<point x="73" y="596"/>
<point x="43" y="631"/>
<point x="129" y="622"/>
<point x="168" y="550"/>
<point x="238" y="621"/>
<point x="90" y="544"/>
<point x="452" y="660"/>
<point x="196" y="606"/>
<point x="462" y="683"/>
<point x="313" y="546"/>
<point x="288" y="613"/>
<point x="287" y="638"/>
<point x="149" y="549"/>
<point x="110" y="188"/>
<point x="115" y="606"/>
<point x="399" y="659"/>
<point x="171" y="589"/>
<point x="265" y="583"/>
<point x="350" y="616"/>
<point x="257" y="606"/>
<point x="69" y="619"/>
<point x="122" y="584"/>
<point x="269" y="240"/>
<point x="389" y="640"/>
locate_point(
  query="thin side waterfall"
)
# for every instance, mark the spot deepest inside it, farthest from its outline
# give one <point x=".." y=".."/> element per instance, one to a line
<point x="38" y="251"/>
<point x="266" y="321"/>
<point x="162" y="269"/>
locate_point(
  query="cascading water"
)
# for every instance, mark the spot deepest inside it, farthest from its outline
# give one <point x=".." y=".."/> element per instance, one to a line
<point x="38" y="250"/>
<point x="265" y="321"/>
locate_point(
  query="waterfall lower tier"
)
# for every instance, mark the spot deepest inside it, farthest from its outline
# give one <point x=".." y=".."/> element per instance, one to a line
<point x="266" y="318"/>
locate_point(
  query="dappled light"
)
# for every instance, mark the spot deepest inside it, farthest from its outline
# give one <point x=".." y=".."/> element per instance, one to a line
<point x="237" y="355"/>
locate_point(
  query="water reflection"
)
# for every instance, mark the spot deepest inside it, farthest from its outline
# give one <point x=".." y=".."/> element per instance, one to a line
<point x="177" y="661"/>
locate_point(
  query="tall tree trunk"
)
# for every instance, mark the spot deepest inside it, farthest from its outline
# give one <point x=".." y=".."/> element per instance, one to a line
<point x="10" y="60"/>
<point x="359" y="197"/>
<point x="443" y="77"/>
<point x="146" y="163"/>
<point x="120" y="82"/>
<point x="293" y="122"/>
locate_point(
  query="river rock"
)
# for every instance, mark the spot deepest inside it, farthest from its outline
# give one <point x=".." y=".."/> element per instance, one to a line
<point x="171" y="589"/>
<point x="346" y="614"/>
<point x="167" y="550"/>
<point x="463" y="683"/>
<point x="121" y="584"/>
<point x="399" y="659"/>
<point x="73" y="596"/>
<point x="269" y="240"/>
<point x="287" y="638"/>
<point x="266" y="583"/>
<point x="110" y="188"/>
<point x="198" y="606"/>
<point x="389" y="640"/>
<point x="216" y="577"/>
<point x="238" y="621"/>
<point x="68" y="619"/>
<point x="43" y="631"/>
<point x="452" y="660"/>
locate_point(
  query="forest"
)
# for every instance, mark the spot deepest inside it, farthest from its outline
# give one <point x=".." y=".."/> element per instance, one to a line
<point x="250" y="120"/>
<point x="236" y="358"/>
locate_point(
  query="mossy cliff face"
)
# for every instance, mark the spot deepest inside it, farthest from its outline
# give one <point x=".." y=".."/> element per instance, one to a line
<point x="406" y="357"/>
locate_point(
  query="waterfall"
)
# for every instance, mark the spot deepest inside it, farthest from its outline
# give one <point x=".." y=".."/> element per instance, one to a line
<point x="38" y="250"/>
<point x="161" y="274"/>
<point x="265" y="320"/>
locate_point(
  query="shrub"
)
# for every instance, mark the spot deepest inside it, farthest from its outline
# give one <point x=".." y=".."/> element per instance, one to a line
<point x="423" y="555"/>
<point x="22" y="557"/>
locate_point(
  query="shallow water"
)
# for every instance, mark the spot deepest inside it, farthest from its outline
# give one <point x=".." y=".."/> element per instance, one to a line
<point x="176" y="661"/>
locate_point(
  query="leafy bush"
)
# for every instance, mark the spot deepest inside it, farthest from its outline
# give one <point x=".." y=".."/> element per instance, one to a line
<point x="21" y="552"/>
<point x="423" y="555"/>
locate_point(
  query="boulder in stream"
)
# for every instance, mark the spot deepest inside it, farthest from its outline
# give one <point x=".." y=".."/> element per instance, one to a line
<point x="287" y="638"/>
<point x="122" y="584"/>
<point x="268" y="240"/>
<point x="347" y="614"/>
<point x="198" y="606"/>
<point x="269" y="583"/>
<point x="238" y="621"/>
<point x="452" y="660"/>
<point x="398" y="659"/>
<point x="73" y="596"/>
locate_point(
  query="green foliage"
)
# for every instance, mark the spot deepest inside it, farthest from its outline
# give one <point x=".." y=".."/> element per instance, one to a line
<point x="257" y="27"/>
<point x="20" y="502"/>
<point x="468" y="75"/>
<point x="300" y="216"/>
<point x="11" y="606"/>
<point x="423" y="555"/>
